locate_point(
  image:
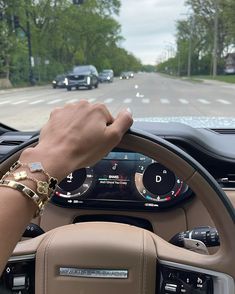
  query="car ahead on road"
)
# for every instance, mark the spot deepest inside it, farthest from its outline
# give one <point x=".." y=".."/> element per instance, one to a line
<point x="58" y="82"/>
<point x="106" y="76"/>
<point x="125" y="75"/>
<point x="131" y="74"/>
<point x="82" y="76"/>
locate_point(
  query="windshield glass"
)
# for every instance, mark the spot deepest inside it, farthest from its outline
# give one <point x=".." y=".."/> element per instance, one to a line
<point x="172" y="61"/>
<point x="81" y="70"/>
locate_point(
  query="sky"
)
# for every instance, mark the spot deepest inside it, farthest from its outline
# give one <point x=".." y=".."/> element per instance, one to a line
<point x="149" y="27"/>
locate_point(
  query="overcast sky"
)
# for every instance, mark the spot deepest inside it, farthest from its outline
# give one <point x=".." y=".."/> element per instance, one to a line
<point x="149" y="27"/>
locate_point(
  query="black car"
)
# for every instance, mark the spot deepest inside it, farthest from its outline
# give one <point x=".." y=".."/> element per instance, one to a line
<point x="106" y="76"/>
<point x="82" y="76"/>
<point x="58" y="82"/>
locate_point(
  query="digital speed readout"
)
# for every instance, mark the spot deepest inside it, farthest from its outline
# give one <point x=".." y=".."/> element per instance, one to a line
<point x="122" y="177"/>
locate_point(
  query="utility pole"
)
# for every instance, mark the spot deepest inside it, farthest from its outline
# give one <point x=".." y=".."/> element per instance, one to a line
<point x="30" y="56"/>
<point x="216" y="32"/>
<point x="192" y="23"/>
<point x="179" y="59"/>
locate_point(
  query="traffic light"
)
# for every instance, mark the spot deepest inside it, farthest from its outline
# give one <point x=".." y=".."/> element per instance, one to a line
<point x="16" y="21"/>
<point x="78" y="2"/>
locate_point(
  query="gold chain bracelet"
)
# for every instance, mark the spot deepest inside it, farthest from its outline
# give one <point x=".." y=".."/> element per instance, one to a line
<point x="42" y="187"/>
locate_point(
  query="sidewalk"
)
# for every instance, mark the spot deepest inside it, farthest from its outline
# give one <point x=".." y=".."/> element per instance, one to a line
<point x="218" y="83"/>
<point x="22" y="89"/>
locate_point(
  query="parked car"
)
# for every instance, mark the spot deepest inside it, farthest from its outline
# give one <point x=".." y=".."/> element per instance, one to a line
<point x="124" y="75"/>
<point x="106" y="76"/>
<point x="58" y="82"/>
<point x="82" y="76"/>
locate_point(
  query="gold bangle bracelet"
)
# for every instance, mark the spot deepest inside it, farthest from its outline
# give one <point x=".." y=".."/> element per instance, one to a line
<point x="38" y="201"/>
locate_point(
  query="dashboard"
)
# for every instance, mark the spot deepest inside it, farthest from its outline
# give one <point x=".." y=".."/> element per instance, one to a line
<point x="122" y="180"/>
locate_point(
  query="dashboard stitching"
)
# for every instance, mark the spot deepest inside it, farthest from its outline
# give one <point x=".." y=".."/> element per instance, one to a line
<point x="145" y="264"/>
<point x="46" y="252"/>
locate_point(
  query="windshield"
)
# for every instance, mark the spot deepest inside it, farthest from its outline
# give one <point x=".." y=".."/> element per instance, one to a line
<point x="81" y="70"/>
<point x="172" y="61"/>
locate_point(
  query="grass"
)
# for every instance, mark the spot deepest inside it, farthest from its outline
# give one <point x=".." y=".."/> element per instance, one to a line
<point x="222" y="78"/>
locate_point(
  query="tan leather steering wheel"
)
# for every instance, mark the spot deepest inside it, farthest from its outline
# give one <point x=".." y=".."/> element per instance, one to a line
<point x="131" y="255"/>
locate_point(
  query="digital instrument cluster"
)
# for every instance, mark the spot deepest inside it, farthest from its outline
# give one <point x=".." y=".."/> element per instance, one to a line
<point x="122" y="180"/>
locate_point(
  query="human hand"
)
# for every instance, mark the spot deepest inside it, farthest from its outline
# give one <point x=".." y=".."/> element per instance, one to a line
<point x="76" y="136"/>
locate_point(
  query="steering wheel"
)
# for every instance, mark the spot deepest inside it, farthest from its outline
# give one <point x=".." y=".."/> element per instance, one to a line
<point x="111" y="258"/>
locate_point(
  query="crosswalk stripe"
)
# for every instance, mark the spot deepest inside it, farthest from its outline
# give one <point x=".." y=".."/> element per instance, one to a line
<point x="71" y="101"/>
<point x="109" y="100"/>
<point x="4" y="102"/>
<point x="145" y="101"/>
<point x="203" y="101"/>
<point x="91" y="100"/>
<point x="36" y="102"/>
<point x="54" y="101"/>
<point x="19" y="102"/>
<point x="224" y="101"/>
<point x="183" y="101"/>
<point x="164" y="101"/>
<point x="127" y="100"/>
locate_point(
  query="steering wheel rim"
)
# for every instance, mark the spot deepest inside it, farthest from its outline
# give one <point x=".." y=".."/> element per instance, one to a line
<point x="199" y="180"/>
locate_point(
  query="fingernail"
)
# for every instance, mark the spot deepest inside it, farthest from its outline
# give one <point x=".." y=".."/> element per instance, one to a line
<point x="129" y="110"/>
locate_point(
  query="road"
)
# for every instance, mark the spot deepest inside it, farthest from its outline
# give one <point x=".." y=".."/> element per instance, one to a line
<point x="147" y="95"/>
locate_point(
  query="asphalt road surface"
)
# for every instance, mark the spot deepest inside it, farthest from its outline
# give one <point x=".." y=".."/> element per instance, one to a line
<point x="147" y="95"/>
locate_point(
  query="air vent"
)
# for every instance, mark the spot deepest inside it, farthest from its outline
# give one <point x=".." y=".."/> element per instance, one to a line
<point x="11" y="140"/>
<point x="224" y="131"/>
<point x="10" y="143"/>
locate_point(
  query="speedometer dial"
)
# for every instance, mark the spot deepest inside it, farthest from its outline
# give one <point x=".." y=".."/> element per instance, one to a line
<point x="75" y="184"/>
<point x="156" y="183"/>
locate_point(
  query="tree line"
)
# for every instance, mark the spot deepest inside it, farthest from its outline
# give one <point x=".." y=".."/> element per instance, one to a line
<point x="203" y="39"/>
<point x="43" y="38"/>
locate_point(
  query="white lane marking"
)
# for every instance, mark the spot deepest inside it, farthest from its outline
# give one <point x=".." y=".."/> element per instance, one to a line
<point x="127" y="100"/>
<point x="145" y="101"/>
<point x="183" y="101"/>
<point x="203" y="101"/>
<point x="109" y="100"/>
<point x="54" y="101"/>
<point x="19" y="102"/>
<point x="4" y="102"/>
<point x="165" y="101"/>
<point x="91" y="100"/>
<point x="36" y="102"/>
<point x="224" y="101"/>
<point x="71" y="101"/>
<point x="136" y="86"/>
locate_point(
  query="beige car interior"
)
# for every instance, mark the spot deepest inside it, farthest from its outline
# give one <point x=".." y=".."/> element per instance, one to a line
<point x="138" y="252"/>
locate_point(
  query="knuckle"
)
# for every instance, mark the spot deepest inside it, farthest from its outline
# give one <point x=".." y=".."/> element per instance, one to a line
<point x="53" y="112"/>
<point x="99" y="106"/>
<point x="83" y="102"/>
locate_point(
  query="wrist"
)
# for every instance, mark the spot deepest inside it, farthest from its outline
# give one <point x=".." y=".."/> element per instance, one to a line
<point x="53" y="164"/>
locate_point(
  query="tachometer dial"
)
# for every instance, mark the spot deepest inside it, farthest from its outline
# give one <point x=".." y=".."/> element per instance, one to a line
<point x="75" y="184"/>
<point x="157" y="183"/>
